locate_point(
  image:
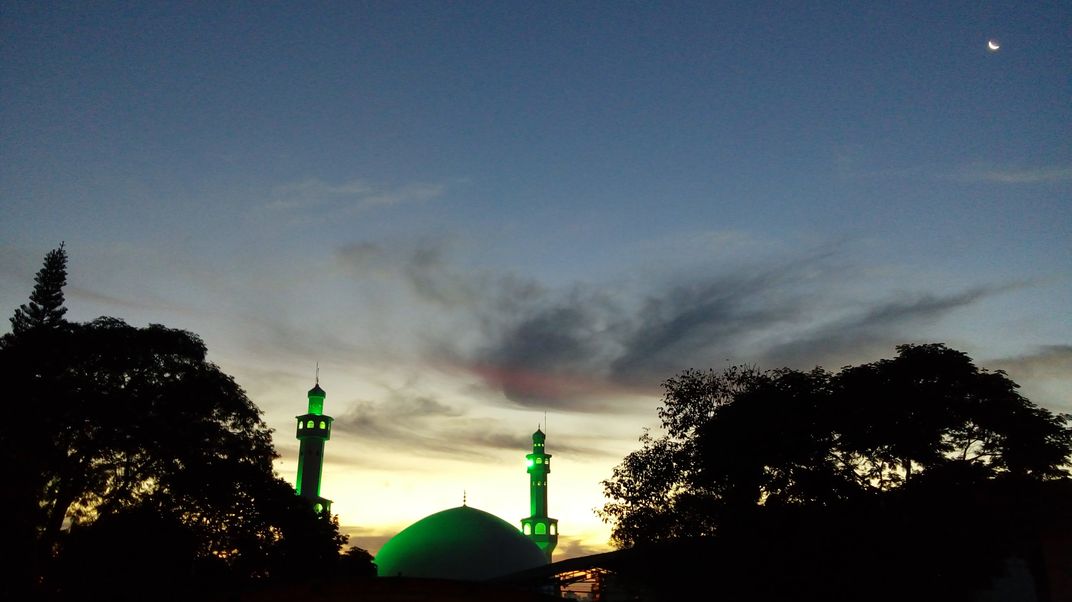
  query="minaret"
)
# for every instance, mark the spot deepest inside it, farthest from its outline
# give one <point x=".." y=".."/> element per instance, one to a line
<point x="543" y="531"/>
<point x="314" y="428"/>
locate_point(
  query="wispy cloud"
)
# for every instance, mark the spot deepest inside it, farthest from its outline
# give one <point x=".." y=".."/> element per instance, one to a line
<point x="573" y="547"/>
<point x="1045" y="373"/>
<point x="116" y="304"/>
<point x="398" y="421"/>
<point x="424" y="425"/>
<point x="1046" y="361"/>
<point x="366" y="538"/>
<point x="581" y="347"/>
<point x="314" y="194"/>
<point x="1030" y="175"/>
<point x="854" y="162"/>
<point x="698" y="323"/>
<point x="874" y="327"/>
<point x="847" y="165"/>
<point x="425" y="266"/>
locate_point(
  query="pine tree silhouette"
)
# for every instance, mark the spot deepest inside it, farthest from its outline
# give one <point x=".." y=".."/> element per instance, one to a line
<point x="46" y="302"/>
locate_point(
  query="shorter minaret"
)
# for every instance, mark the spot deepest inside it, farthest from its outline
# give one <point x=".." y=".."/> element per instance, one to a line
<point x="314" y="429"/>
<point x="543" y="531"/>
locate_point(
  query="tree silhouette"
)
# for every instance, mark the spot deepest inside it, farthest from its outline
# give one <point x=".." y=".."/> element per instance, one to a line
<point x="743" y="440"/>
<point x="917" y="477"/>
<point x="110" y="425"/>
<point x="356" y="562"/>
<point x="46" y="301"/>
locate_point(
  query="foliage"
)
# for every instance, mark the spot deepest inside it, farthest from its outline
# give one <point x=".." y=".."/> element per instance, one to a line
<point x="742" y="440"/>
<point x="118" y="435"/>
<point x="356" y="562"/>
<point x="46" y="302"/>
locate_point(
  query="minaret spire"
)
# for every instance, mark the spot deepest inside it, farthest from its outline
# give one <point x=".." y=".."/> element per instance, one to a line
<point x="314" y="429"/>
<point x="538" y="527"/>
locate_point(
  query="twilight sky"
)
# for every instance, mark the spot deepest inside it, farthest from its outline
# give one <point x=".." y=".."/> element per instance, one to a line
<point x="474" y="213"/>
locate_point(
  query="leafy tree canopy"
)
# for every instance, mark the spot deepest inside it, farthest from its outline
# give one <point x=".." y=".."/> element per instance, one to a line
<point x="738" y="441"/>
<point x="123" y="434"/>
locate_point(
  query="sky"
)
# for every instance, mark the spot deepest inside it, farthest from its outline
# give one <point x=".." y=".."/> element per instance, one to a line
<point x="480" y="218"/>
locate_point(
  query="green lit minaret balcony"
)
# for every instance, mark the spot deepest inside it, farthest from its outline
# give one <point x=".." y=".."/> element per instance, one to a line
<point x="542" y="530"/>
<point x="314" y="429"/>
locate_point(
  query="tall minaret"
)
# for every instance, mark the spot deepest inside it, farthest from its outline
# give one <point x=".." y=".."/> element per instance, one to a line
<point x="314" y="428"/>
<point x="543" y="531"/>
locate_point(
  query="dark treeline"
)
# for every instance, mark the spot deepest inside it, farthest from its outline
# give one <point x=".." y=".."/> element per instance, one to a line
<point x="138" y="469"/>
<point x="917" y="477"/>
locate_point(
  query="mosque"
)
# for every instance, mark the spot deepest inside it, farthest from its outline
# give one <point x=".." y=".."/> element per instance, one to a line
<point x="462" y="543"/>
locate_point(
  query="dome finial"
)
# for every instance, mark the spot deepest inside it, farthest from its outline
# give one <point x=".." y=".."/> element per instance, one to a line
<point x="465" y="495"/>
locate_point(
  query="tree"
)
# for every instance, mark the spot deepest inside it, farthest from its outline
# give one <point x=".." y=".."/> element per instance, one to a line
<point x="932" y="408"/>
<point x="109" y="424"/>
<point x="743" y="441"/>
<point x="46" y="301"/>
<point x="356" y="562"/>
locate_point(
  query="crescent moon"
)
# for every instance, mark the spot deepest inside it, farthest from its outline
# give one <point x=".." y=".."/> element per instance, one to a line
<point x="993" y="45"/>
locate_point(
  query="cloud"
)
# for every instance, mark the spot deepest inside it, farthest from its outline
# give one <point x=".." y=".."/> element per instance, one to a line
<point x="406" y="194"/>
<point x="1045" y="374"/>
<point x="111" y="301"/>
<point x="875" y="327"/>
<point x="398" y="419"/>
<point x="596" y="348"/>
<point x="427" y="266"/>
<point x="368" y="539"/>
<point x="1047" y="361"/>
<point x="555" y="352"/>
<point x="420" y="265"/>
<point x="313" y="194"/>
<point x="424" y="425"/>
<point x="693" y="324"/>
<point x="1016" y="176"/>
<point x="577" y="349"/>
<point x="571" y="353"/>
<point x="575" y="547"/>
<point x="848" y="167"/>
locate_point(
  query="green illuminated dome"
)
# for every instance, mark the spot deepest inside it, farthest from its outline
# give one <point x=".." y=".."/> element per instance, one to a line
<point x="461" y="543"/>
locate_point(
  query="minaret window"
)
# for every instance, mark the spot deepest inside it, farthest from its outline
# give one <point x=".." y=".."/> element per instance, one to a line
<point x="541" y="529"/>
<point x="553" y="529"/>
<point x="309" y="424"/>
<point x="528" y="529"/>
<point x="323" y="424"/>
<point x="539" y="460"/>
